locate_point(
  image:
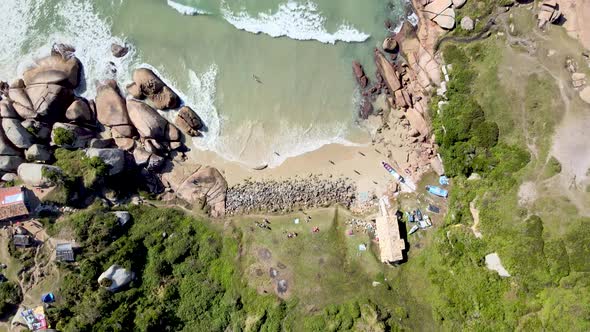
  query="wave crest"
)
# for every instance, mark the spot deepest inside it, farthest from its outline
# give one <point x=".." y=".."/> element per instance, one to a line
<point x="293" y="20"/>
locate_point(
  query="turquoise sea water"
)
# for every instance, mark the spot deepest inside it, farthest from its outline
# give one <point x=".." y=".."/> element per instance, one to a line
<point x="300" y="50"/>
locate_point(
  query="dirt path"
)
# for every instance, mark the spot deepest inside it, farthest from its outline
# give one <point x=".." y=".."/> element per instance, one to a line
<point x="475" y="215"/>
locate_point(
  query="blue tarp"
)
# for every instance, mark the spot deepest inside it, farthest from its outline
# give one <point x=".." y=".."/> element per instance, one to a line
<point x="437" y="191"/>
<point x="47" y="298"/>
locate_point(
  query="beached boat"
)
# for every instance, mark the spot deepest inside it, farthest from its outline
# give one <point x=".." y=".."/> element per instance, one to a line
<point x="392" y="171"/>
<point x="437" y="191"/>
<point x="414" y="229"/>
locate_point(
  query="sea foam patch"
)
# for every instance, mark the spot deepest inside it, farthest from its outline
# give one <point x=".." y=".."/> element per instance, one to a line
<point x="293" y="20"/>
<point x="186" y="10"/>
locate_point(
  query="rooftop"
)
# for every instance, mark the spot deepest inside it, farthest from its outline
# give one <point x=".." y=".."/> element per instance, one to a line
<point x="12" y="203"/>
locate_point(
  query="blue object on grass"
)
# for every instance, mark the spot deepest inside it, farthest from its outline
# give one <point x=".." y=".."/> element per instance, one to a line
<point x="48" y="298"/>
<point x="437" y="191"/>
<point x="443" y="180"/>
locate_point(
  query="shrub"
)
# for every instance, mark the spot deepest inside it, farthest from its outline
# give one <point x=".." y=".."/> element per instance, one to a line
<point x="10" y="296"/>
<point x="63" y="137"/>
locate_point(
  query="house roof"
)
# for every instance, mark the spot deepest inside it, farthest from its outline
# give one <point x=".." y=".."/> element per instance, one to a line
<point x="63" y="247"/>
<point x="12" y="203"/>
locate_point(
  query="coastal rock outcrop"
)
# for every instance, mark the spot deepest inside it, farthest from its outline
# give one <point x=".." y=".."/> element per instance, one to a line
<point x="38" y="152"/>
<point x="79" y="111"/>
<point x="188" y="121"/>
<point x="10" y="163"/>
<point x="441" y="13"/>
<point x="111" y="110"/>
<point x="359" y="74"/>
<point x="119" y="51"/>
<point x="197" y="184"/>
<point x="7" y="111"/>
<point x="390" y="45"/>
<point x="467" y="23"/>
<point x="114" y="158"/>
<point x="16" y="133"/>
<point x="6" y="147"/>
<point x="36" y="175"/>
<point x="149" y="123"/>
<point x="70" y="135"/>
<point x="147" y="84"/>
<point x="388" y="72"/>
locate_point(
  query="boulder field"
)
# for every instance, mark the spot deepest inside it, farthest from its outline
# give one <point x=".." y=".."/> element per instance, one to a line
<point x="41" y="112"/>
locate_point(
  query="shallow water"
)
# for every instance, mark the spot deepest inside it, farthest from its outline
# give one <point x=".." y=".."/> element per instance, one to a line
<point x="302" y="57"/>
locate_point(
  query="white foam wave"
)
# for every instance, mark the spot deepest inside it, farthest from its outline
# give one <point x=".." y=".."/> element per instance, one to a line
<point x="186" y="10"/>
<point x="18" y="18"/>
<point x="293" y="20"/>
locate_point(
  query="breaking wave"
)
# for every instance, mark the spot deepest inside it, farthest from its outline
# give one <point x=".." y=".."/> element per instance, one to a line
<point x="293" y="20"/>
<point x="186" y="10"/>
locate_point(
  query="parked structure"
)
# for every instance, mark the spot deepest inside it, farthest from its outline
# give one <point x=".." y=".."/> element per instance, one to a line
<point x="64" y="252"/>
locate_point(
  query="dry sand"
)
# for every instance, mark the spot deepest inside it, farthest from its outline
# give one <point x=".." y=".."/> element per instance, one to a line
<point x="346" y="161"/>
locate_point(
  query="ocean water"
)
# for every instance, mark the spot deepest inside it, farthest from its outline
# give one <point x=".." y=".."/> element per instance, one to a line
<point x="210" y="52"/>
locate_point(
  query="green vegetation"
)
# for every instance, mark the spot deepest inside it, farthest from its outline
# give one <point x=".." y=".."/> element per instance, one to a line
<point x="63" y="137"/>
<point x="80" y="174"/>
<point x="486" y="129"/>
<point x="552" y="168"/>
<point x="10" y="297"/>
<point x="186" y="280"/>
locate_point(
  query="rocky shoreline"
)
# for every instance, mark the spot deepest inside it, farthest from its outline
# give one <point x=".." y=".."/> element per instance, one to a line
<point x="282" y="196"/>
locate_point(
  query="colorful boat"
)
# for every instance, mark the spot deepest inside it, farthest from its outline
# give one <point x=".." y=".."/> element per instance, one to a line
<point x="437" y="191"/>
<point x="392" y="171"/>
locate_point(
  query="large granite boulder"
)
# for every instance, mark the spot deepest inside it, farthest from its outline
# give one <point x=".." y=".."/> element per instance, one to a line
<point x="68" y="135"/>
<point x="195" y="183"/>
<point x="21" y="101"/>
<point x="119" y="51"/>
<point x="188" y="121"/>
<point x="111" y="110"/>
<point x="6" y="147"/>
<point x="17" y="134"/>
<point x="36" y="175"/>
<point x="446" y="19"/>
<point x="40" y="130"/>
<point x="115" y="158"/>
<point x="54" y="69"/>
<point x="390" y="45"/>
<point x="417" y="121"/>
<point x="149" y="123"/>
<point x="38" y="152"/>
<point x="7" y="111"/>
<point x="10" y="163"/>
<point x="79" y="111"/>
<point x="467" y="23"/>
<point x="49" y="100"/>
<point x="147" y="84"/>
<point x="115" y="277"/>
<point x="388" y="72"/>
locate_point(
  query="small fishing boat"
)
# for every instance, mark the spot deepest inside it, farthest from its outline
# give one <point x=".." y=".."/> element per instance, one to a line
<point x="392" y="171"/>
<point x="437" y="191"/>
<point x="413" y="229"/>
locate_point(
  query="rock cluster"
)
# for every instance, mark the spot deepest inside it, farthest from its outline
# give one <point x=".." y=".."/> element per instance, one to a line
<point x="578" y="79"/>
<point x="279" y="196"/>
<point x="41" y="112"/>
<point x="442" y="12"/>
<point x="548" y="13"/>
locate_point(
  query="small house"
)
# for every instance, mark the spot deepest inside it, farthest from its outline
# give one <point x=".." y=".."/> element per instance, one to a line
<point x="22" y="240"/>
<point x="13" y="204"/>
<point x="64" y="252"/>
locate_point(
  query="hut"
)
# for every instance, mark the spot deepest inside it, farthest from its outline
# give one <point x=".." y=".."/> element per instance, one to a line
<point x="64" y="252"/>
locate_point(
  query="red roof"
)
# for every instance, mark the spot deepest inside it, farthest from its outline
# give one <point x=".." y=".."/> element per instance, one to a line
<point x="12" y="203"/>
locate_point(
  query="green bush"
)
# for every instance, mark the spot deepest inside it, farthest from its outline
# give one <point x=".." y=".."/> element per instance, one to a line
<point x="10" y="296"/>
<point x="63" y="137"/>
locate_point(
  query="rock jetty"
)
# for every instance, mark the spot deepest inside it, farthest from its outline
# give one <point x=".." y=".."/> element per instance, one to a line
<point x="279" y="196"/>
